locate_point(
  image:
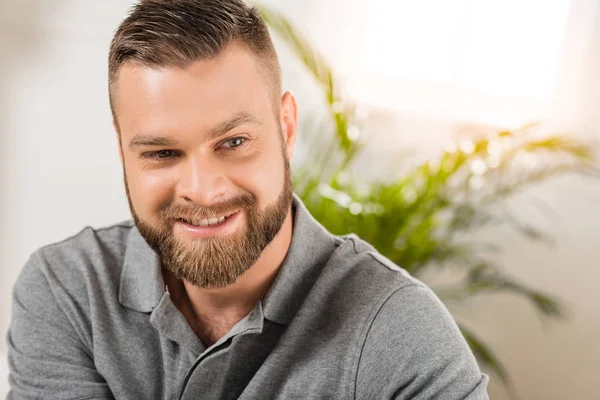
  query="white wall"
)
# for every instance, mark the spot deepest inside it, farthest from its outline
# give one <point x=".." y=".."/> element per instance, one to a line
<point x="60" y="172"/>
<point x="60" y="168"/>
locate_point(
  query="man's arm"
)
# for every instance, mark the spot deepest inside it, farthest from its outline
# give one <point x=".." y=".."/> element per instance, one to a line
<point x="414" y="350"/>
<point x="49" y="353"/>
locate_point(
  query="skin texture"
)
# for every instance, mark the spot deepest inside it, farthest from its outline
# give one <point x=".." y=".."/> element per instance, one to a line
<point x="206" y="141"/>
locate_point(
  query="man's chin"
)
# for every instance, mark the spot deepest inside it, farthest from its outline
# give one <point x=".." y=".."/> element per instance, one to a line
<point x="209" y="263"/>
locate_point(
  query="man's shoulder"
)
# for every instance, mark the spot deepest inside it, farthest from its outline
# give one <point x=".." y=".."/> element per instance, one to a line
<point x="408" y="335"/>
<point x="357" y="281"/>
<point x="385" y="287"/>
<point x="112" y="238"/>
<point x="371" y="269"/>
<point x="93" y="254"/>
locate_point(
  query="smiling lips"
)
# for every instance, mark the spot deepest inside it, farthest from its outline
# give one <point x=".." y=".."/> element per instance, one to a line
<point x="205" y="221"/>
<point x="197" y="228"/>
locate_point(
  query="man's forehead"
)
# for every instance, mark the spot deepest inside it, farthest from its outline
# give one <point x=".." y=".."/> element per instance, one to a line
<point x="234" y="61"/>
<point x="210" y="88"/>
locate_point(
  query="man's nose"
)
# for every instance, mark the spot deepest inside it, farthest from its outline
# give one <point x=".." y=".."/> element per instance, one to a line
<point x="202" y="180"/>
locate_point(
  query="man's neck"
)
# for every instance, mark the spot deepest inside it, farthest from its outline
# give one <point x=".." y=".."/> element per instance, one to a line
<point x="213" y="312"/>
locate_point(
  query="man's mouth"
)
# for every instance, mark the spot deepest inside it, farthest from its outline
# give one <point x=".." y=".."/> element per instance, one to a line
<point x="205" y="221"/>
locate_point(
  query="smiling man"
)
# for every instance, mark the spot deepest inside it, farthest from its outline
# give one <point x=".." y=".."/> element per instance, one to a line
<point x="223" y="286"/>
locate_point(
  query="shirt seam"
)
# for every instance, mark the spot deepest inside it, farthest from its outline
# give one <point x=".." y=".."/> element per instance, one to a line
<point x="124" y="225"/>
<point x="372" y="255"/>
<point x="128" y="224"/>
<point x="373" y="316"/>
<point x="482" y="381"/>
<point x="94" y="396"/>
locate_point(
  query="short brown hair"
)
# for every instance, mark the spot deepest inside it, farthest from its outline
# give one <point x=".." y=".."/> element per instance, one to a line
<point x="176" y="33"/>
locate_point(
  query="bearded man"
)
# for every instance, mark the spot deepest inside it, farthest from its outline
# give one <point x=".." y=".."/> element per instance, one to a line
<point x="223" y="286"/>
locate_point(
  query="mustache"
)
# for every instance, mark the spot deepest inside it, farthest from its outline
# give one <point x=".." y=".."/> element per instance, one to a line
<point x="227" y="207"/>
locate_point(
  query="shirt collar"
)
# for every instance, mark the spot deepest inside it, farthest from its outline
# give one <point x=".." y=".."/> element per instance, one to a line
<point x="311" y="247"/>
<point x="142" y="285"/>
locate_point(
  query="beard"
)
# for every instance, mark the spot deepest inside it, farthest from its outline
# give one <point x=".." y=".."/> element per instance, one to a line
<point x="215" y="261"/>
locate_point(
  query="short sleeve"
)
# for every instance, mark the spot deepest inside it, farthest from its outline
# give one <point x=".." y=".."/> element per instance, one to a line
<point x="48" y="356"/>
<point x="414" y="350"/>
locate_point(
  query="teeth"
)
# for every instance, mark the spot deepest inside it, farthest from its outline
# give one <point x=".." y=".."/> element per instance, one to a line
<point x="204" y="221"/>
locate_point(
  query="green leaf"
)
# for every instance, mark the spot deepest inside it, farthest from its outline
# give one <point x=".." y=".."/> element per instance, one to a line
<point x="319" y="68"/>
<point x="488" y="360"/>
<point x="484" y="355"/>
<point x="487" y="278"/>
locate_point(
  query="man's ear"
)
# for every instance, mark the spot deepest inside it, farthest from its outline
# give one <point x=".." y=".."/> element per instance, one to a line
<point x="116" y="128"/>
<point x="289" y="122"/>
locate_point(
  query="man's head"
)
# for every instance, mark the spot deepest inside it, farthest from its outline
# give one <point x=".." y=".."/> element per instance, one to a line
<point x="204" y="133"/>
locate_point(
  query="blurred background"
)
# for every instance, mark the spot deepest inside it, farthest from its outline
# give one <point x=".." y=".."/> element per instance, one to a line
<point x="457" y="136"/>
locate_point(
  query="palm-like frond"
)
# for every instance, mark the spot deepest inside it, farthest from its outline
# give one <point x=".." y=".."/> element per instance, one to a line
<point x="484" y="277"/>
<point x="318" y="67"/>
<point x="486" y="357"/>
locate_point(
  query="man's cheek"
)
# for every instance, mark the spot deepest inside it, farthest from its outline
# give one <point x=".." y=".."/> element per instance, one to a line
<point x="253" y="177"/>
<point x="153" y="189"/>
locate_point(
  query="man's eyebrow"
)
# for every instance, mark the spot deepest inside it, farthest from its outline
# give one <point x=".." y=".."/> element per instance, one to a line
<point x="222" y="128"/>
<point x="232" y="123"/>
<point x="141" y="140"/>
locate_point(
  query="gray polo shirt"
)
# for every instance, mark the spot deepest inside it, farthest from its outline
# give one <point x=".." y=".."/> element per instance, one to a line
<point x="91" y="320"/>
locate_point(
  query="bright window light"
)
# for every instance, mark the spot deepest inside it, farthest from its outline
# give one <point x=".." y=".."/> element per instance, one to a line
<point x="471" y="53"/>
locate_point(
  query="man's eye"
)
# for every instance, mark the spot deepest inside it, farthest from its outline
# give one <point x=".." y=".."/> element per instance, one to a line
<point x="234" y="142"/>
<point x="160" y="154"/>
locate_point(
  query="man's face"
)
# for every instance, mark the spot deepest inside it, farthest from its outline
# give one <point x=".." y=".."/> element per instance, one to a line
<point x="206" y="163"/>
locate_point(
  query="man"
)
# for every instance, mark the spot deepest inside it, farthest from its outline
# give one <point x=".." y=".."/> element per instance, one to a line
<point x="223" y="286"/>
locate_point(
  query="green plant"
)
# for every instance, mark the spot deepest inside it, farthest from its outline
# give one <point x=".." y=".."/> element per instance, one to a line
<point x="423" y="219"/>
